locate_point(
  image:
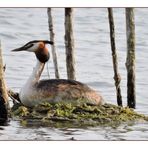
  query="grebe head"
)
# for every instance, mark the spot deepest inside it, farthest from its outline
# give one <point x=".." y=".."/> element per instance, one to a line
<point x="38" y="47"/>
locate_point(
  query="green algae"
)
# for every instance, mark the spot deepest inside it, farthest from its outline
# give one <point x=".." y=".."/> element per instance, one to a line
<point x="70" y="115"/>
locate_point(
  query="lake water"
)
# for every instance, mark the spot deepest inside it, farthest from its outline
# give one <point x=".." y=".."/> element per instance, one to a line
<point x="93" y="65"/>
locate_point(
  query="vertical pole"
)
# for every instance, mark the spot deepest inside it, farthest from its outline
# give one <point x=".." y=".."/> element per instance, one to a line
<point x="69" y="43"/>
<point x="117" y="77"/>
<point x="130" y="60"/>
<point x="3" y="94"/>
<point x="54" y="54"/>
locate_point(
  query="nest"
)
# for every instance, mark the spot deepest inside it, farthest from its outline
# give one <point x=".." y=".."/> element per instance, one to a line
<point x="70" y="115"/>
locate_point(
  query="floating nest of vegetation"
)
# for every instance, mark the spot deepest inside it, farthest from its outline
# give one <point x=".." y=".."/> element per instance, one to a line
<point x="69" y="115"/>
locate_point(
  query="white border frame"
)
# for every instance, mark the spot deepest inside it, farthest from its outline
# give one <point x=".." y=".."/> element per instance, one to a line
<point x="73" y="3"/>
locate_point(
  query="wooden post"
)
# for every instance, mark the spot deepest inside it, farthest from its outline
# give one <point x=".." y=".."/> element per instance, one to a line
<point x="54" y="54"/>
<point x="117" y="77"/>
<point x="130" y="60"/>
<point x="69" y="43"/>
<point x="3" y="94"/>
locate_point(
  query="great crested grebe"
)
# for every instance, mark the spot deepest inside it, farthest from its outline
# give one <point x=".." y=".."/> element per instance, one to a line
<point x="36" y="91"/>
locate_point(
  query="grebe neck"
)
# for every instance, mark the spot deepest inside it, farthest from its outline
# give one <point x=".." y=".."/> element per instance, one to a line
<point x="37" y="71"/>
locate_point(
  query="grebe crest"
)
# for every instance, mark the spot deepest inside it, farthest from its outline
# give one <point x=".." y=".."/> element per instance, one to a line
<point x="37" y="91"/>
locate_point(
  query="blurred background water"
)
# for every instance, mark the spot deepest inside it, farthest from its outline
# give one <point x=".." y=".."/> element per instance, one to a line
<point x="93" y="64"/>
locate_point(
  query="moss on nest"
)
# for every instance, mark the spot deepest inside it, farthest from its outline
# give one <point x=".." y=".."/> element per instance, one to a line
<point x="61" y="115"/>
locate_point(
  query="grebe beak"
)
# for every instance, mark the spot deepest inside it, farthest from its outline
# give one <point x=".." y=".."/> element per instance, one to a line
<point x="23" y="48"/>
<point x="19" y="49"/>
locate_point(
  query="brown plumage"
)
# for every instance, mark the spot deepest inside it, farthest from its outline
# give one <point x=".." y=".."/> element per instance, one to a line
<point x="68" y="91"/>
